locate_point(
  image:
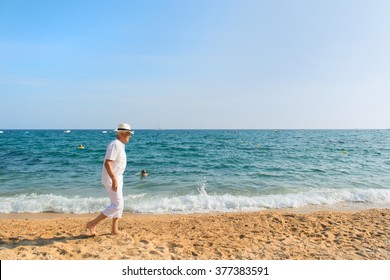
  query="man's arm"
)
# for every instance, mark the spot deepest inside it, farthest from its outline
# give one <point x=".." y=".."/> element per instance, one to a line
<point x="110" y="171"/>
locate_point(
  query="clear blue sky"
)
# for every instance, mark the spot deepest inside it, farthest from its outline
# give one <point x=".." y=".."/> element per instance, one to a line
<point x="195" y="64"/>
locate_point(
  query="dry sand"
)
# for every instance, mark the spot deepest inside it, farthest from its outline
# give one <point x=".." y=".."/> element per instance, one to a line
<point x="272" y="235"/>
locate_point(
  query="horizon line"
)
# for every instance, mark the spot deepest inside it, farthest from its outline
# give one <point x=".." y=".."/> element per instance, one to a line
<point x="162" y="129"/>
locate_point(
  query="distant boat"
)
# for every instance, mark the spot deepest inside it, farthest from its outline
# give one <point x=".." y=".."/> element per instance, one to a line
<point x="104" y="131"/>
<point x="67" y="131"/>
<point x="159" y="127"/>
<point x="1" y="131"/>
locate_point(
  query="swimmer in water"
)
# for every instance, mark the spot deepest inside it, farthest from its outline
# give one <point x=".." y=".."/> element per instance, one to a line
<point x="144" y="173"/>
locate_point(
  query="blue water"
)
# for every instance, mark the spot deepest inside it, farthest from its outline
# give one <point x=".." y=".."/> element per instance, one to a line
<point x="196" y="171"/>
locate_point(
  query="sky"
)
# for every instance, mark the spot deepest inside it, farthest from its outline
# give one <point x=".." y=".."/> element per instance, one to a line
<point x="195" y="64"/>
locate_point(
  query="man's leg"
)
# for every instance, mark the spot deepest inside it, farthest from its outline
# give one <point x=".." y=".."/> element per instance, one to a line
<point x="115" y="229"/>
<point x="92" y="224"/>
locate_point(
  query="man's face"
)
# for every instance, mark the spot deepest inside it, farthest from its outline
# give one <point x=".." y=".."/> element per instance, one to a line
<point x="124" y="137"/>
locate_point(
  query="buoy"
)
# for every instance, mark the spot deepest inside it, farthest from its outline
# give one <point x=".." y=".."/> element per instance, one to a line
<point x="344" y="152"/>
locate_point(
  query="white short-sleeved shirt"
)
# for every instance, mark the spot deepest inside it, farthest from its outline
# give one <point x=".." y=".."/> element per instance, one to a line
<point x="116" y="153"/>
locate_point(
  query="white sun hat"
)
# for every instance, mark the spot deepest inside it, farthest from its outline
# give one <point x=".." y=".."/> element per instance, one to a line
<point x="124" y="127"/>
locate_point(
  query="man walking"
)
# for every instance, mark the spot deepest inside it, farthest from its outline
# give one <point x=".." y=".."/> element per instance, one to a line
<point x="112" y="178"/>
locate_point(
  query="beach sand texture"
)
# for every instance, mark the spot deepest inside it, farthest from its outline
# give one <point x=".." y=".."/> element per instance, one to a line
<point x="269" y="235"/>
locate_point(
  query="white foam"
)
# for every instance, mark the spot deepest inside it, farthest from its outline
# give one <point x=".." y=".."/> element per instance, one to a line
<point x="203" y="203"/>
<point x="33" y="203"/>
<point x="193" y="203"/>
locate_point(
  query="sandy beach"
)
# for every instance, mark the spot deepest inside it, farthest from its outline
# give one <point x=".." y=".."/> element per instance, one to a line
<point x="272" y="235"/>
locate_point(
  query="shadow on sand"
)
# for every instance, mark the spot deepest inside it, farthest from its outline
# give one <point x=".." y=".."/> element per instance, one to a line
<point x="14" y="242"/>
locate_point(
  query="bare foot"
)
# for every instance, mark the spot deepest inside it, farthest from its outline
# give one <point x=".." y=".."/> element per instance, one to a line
<point x="91" y="228"/>
<point x="119" y="233"/>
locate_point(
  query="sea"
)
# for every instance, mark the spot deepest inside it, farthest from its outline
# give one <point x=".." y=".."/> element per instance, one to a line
<point x="196" y="171"/>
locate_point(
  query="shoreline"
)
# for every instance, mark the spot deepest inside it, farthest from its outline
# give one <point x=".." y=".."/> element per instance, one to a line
<point x="269" y="234"/>
<point x="308" y="209"/>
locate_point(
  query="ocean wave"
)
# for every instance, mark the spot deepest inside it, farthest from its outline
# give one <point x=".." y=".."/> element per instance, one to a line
<point x="191" y="203"/>
<point x="33" y="203"/>
<point x="204" y="203"/>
